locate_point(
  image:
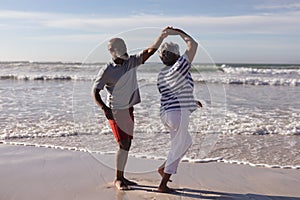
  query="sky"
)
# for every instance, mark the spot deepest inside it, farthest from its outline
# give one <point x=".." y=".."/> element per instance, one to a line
<point x="229" y="31"/>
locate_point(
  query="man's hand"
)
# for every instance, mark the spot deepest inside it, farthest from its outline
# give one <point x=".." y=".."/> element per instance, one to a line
<point x="153" y="48"/>
<point x="165" y="32"/>
<point x="108" y="113"/>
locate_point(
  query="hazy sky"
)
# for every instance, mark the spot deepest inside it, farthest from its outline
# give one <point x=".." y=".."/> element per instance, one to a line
<point x="259" y="31"/>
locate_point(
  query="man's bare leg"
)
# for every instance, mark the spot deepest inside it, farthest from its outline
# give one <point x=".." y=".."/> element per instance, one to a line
<point x="121" y="159"/>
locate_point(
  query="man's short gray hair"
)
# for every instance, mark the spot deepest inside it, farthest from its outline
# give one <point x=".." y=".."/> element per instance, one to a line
<point x="119" y="46"/>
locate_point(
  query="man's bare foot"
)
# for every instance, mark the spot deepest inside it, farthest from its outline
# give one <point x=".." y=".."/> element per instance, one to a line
<point x="161" y="172"/>
<point x="120" y="185"/>
<point x="166" y="189"/>
<point x="128" y="182"/>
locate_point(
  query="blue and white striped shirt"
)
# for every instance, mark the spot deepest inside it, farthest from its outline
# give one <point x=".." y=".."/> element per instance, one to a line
<point x="176" y="86"/>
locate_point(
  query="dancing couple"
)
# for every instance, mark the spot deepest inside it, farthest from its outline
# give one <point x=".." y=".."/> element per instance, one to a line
<point x="175" y="85"/>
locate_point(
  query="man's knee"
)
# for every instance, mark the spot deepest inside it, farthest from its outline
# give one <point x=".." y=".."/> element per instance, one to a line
<point x="125" y="144"/>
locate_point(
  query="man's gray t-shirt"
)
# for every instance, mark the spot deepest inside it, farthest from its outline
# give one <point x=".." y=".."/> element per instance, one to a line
<point x="120" y="82"/>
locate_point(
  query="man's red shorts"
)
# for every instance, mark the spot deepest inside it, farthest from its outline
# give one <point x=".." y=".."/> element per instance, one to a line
<point x="123" y="124"/>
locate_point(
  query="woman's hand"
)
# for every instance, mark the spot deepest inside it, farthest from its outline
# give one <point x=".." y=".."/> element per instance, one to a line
<point x="199" y="104"/>
<point x="172" y="31"/>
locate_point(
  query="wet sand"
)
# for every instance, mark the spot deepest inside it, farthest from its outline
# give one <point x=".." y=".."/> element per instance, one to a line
<point x="35" y="173"/>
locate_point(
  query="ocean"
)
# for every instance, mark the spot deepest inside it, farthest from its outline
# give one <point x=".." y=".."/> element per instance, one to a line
<point x="250" y="114"/>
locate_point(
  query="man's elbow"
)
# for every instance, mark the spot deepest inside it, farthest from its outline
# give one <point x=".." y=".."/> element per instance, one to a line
<point x="94" y="92"/>
<point x="151" y="51"/>
<point x="147" y="53"/>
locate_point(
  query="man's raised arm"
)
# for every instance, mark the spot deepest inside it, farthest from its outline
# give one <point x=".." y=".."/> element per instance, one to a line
<point x="147" y="53"/>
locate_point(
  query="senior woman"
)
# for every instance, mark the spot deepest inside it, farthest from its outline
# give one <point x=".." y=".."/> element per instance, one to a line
<point x="175" y="85"/>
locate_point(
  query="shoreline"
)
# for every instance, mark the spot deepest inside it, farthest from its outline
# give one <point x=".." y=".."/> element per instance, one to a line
<point x="184" y="160"/>
<point x="28" y="172"/>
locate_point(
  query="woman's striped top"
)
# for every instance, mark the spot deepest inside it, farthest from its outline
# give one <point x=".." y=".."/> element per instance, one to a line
<point x="176" y="86"/>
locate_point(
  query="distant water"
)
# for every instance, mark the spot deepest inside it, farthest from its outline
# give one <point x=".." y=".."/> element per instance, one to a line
<point x="251" y="111"/>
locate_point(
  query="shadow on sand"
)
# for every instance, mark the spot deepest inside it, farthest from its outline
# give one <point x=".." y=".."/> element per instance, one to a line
<point x="187" y="193"/>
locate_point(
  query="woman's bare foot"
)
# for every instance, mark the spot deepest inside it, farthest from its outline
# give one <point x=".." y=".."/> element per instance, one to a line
<point x="128" y="182"/>
<point x="166" y="189"/>
<point x="121" y="185"/>
<point x="161" y="172"/>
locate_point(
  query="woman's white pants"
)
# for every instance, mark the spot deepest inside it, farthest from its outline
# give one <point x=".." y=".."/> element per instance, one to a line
<point x="177" y="122"/>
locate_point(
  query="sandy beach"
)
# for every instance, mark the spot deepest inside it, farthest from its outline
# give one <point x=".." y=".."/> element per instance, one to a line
<point x="34" y="173"/>
<point x="238" y="58"/>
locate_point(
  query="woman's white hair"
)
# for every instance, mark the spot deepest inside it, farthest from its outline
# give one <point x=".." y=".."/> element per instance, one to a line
<point x="169" y="53"/>
<point x="170" y="47"/>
